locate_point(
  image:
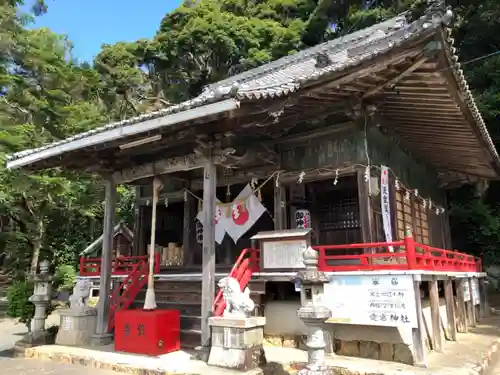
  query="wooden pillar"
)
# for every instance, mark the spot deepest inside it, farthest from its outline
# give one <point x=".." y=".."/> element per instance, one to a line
<point x="137" y="223"/>
<point x="102" y="336"/>
<point x="450" y="310"/>
<point x="483" y="295"/>
<point x="208" y="252"/>
<point x="470" y="306"/>
<point x="418" y="334"/>
<point x="446" y="226"/>
<point x="365" y="209"/>
<point x="437" y="343"/>
<point x="187" y="252"/>
<point x="462" y="325"/>
<point x="279" y="204"/>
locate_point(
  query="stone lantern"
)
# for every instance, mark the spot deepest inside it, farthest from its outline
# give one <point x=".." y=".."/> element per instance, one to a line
<point x="41" y="296"/>
<point x="313" y="313"/>
<point x="41" y="299"/>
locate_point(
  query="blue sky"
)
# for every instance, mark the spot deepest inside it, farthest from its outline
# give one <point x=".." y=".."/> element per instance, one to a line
<point x="90" y="23"/>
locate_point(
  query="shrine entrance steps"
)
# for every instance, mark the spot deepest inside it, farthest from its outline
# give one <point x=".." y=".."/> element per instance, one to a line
<point x="185" y="295"/>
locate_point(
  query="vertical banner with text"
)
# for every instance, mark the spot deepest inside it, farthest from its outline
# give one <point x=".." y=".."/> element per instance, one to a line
<point x="385" y="203"/>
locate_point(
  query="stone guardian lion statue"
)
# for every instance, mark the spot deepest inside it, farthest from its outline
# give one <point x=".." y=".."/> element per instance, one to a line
<point x="238" y="303"/>
<point x="81" y="294"/>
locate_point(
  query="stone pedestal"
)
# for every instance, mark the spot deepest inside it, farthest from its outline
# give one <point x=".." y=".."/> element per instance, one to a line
<point x="237" y="342"/>
<point x="77" y="326"/>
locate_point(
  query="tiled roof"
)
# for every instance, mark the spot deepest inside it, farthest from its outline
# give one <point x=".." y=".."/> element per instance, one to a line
<point x="288" y="74"/>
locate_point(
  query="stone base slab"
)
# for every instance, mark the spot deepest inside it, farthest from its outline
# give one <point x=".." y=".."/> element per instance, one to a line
<point x="101" y="339"/>
<point x="237" y="322"/>
<point x="76" y="327"/>
<point x="238" y="359"/>
<point x="35" y="339"/>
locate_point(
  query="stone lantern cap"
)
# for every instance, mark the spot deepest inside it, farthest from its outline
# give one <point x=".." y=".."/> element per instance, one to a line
<point x="311" y="274"/>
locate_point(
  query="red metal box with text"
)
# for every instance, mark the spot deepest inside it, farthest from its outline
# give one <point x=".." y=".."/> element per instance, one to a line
<point x="148" y="332"/>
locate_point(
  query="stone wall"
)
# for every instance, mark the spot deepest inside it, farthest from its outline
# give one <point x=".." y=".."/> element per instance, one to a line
<point x="283" y="328"/>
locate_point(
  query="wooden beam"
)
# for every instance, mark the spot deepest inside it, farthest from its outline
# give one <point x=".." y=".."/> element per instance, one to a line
<point x="415" y="65"/>
<point x="365" y="209"/>
<point x="470" y="305"/>
<point x="102" y="334"/>
<point x="137" y="222"/>
<point x="187" y="254"/>
<point x="279" y="204"/>
<point x="176" y="164"/>
<point x="462" y="325"/>
<point x="418" y="334"/>
<point x="483" y="293"/>
<point x="437" y="342"/>
<point x="450" y="310"/>
<point x="208" y="251"/>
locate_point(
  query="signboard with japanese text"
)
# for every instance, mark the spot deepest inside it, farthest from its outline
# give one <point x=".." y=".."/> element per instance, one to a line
<point x="381" y="300"/>
<point x="475" y="291"/>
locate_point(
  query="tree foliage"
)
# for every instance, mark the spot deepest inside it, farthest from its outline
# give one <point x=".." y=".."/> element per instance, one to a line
<point x="46" y="95"/>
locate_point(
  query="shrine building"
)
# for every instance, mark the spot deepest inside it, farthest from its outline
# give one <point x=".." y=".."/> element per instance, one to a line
<point x="348" y="147"/>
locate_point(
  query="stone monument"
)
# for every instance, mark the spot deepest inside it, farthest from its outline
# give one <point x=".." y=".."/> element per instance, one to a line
<point x="78" y="323"/>
<point x="313" y="313"/>
<point x="41" y="299"/>
<point x="237" y="337"/>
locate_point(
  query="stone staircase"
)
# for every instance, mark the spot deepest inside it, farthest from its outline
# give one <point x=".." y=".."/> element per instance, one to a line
<point x="185" y="295"/>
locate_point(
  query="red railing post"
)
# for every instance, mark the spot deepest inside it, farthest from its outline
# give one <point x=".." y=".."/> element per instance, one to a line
<point x="157" y="262"/>
<point x="82" y="266"/>
<point x="410" y="250"/>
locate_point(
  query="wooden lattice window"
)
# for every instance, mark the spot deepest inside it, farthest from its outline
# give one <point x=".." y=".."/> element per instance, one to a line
<point x="421" y="222"/>
<point x="404" y="217"/>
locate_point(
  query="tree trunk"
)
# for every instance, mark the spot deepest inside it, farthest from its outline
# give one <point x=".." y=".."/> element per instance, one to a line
<point x="37" y="245"/>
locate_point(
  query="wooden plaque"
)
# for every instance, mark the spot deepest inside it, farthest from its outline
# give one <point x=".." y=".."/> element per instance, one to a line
<point x="283" y="254"/>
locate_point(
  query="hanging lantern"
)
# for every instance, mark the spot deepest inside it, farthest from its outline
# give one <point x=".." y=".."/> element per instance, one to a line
<point x="199" y="232"/>
<point x="302" y="219"/>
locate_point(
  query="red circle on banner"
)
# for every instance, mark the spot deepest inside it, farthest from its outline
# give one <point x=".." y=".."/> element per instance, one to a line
<point x="242" y="217"/>
<point x="217" y="215"/>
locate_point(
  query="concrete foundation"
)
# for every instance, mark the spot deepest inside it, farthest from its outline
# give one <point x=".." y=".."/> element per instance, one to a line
<point x="76" y="327"/>
<point x="237" y="343"/>
<point x="284" y="329"/>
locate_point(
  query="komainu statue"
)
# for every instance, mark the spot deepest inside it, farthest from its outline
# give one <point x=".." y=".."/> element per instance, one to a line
<point x="238" y="303"/>
<point x="81" y="293"/>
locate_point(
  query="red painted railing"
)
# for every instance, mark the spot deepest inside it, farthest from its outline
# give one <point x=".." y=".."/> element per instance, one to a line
<point x="246" y="264"/>
<point x="119" y="266"/>
<point x="406" y="255"/>
<point x="124" y="295"/>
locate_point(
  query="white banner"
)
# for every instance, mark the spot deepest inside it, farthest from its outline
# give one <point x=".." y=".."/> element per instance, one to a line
<point x="245" y="212"/>
<point x="220" y="222"/>
<point x="385" y="203"/>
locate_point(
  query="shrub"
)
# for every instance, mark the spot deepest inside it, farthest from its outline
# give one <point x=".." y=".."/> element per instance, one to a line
<point x="19" y="305"/>
<point x="65" y="277"/>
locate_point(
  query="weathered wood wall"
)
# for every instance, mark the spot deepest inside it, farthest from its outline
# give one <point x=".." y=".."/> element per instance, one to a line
<point x="345" y="149"/>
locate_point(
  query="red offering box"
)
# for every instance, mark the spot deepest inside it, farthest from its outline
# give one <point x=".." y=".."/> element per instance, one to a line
<point x="154" y="332"/>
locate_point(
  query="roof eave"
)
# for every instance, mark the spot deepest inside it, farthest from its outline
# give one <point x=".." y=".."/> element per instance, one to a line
<point x="113" y="134"/>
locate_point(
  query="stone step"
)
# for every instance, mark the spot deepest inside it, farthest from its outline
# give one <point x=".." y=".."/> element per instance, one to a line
<point x="190" y="338"/>
<point x="187" y="309"/>
<point x="190" y="322"/>
<point x="172" y="296"/>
